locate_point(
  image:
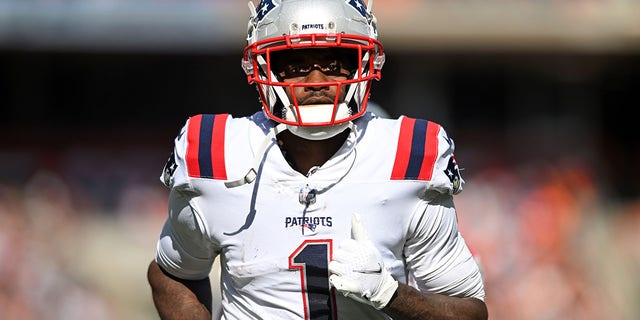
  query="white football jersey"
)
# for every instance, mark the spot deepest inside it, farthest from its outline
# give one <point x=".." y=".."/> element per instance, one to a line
<point x="275" y="236"/>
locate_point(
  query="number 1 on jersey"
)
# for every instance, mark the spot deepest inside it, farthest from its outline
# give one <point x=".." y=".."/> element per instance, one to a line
<point x="311" y="259"/>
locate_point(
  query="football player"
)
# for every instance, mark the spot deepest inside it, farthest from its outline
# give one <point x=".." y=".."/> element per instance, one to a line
<point x="316" y="208"/>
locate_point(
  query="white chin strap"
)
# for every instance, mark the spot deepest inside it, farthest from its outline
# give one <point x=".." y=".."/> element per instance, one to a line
<point x="317" y="113"/>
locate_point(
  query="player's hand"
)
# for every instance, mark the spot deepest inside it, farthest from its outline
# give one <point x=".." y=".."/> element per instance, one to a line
<point x="358" y="272"/>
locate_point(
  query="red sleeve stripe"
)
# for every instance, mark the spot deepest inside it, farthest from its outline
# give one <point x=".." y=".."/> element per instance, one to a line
<point x="417" y="150"/>
<point x="404" y="149"/>
<point x="217" y="147"/>
<point x="193" y="145"/>
<point x="205" y="146"/>
<point x="430" y="151"/>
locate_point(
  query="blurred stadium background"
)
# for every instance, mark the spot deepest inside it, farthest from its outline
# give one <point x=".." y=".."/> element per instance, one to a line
<point x="538" y="95"/>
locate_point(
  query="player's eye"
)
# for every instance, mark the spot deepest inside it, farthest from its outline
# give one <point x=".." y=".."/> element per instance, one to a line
<point x="331" y="68"/>
<point x="295" y="70"/>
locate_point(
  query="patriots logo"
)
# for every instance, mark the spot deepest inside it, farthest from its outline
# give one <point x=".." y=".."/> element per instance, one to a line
<point x="169" y="169"/>
<point x="453" y="172"/>
<point x="265" y="7"/>
<point x="358" y="5"/>
<point x="310" y="226"/>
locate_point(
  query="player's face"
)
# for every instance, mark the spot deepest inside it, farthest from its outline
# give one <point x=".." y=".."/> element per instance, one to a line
<point x="321" y="66"/>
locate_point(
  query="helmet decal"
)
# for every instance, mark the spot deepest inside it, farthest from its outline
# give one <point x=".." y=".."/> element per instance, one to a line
<point x="358" y="5"/>
<point x="265" y="7"/>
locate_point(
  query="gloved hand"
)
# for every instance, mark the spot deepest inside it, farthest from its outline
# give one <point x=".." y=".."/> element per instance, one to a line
<point x="358" y="271"/>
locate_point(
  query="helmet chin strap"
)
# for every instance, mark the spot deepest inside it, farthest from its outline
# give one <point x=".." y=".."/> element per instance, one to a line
<point x="317" y="113"/>
<point x="320" y="132"/>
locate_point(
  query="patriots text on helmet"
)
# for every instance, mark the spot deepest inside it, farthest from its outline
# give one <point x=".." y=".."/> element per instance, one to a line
<point x="313" y="26"/>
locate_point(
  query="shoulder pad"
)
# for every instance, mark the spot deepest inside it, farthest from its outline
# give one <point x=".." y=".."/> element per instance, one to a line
<point x="198" y="151"/>
<point x="425" y="152"/>
<point x="205" y="146"/>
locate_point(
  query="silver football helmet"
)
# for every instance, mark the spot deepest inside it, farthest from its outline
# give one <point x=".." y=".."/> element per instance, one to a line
<point x="346" y="25"/>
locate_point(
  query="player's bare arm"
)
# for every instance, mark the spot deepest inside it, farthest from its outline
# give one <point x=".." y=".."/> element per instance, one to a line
<point x="179" y="299"/>
<point x="409" y="303"/>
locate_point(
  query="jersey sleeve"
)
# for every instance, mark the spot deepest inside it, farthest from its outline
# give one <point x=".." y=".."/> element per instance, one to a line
<point x="436" y="253"/>
<point x="199" y="152"/>
<point x="425" y="152"/>
<point x="184" y="248"/>
<point x="175" y="173"/>
<point x="446" y="174"/>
